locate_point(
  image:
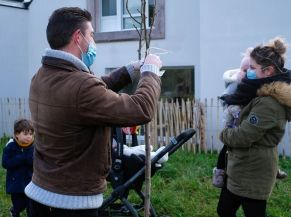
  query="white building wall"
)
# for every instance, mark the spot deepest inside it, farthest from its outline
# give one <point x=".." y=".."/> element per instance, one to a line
<point x="211" y="35"/>
<point x="23" y="41"/>
<point x="40" y="12"/>
<point x="13" y="52"/>
<point x="228" y="27"/>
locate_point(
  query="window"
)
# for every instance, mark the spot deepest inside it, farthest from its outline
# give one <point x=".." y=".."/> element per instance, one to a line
<point x="115" y="17"/>
<point x="109" y="16"/>
<point x="178" y="82"/>
<point x="23" y="4"/>
<point x="134" y="7"/>
<point x="108" y="8"/>
<point x="112" y="22"/>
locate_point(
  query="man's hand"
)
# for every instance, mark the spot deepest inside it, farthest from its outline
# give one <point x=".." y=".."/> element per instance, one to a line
<point x="153" y="59"/>
<point x="152" y="63"/>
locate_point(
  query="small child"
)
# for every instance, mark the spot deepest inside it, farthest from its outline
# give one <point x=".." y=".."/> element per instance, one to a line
<point x="231" y="113"/>
<point x="17" y="159"/>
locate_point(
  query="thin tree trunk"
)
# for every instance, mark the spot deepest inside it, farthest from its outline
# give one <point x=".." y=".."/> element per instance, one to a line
<point x="144" y="36"/>
<point x="147" y="172"/>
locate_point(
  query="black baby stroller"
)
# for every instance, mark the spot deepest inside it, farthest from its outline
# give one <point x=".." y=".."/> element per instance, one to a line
<point x="128" y="174"/>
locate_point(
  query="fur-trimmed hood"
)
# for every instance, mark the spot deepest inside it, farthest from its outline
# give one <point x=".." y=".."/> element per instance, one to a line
<point x="281" y="91"/>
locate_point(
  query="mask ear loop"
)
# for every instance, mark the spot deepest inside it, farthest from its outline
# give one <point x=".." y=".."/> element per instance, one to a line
<point x="92" y="43"/>
<point x="162" y="52"/>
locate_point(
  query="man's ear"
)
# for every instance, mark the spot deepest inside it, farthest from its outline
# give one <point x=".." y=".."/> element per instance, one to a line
<point x="76" y="37"/>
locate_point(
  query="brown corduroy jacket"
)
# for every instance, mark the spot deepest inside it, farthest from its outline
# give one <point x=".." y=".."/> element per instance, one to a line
<point x="73" y="112"/>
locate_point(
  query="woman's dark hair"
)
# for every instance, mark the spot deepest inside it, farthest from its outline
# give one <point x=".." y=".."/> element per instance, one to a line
<point x="23" y="125"/>
<point x="271" y="54"/>
<point x="63" y="23"/>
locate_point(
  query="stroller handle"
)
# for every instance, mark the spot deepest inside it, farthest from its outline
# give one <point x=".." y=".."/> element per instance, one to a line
<point x="176" y="143"/>
<point x="185" y="135"/>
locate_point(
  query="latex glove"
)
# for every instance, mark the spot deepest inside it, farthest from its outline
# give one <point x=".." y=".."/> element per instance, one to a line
<point x="153" y="59"/>
<point x="152" y="63"/>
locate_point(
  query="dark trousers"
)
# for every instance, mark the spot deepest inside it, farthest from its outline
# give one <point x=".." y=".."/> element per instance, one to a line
<point x="40" y="210"/>
<point x="229" y="203"/>
<point x="221" y="161"/>
<point x="19" y="203"/>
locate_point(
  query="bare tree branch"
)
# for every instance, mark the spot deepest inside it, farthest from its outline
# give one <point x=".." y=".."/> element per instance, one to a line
<point x="152" y="20"/>
<point x="139" y="31"/>
<point x="129" y="13"/>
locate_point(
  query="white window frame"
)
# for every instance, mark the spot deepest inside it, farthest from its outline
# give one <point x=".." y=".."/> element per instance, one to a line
<point x="115" y="23"/>
<point x="110" y="23"/>
<point x="135" y="15"/>
<point x="128" y="34"/>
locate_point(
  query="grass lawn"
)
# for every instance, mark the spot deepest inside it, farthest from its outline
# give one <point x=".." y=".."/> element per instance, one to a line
<point x="182" y="188"/>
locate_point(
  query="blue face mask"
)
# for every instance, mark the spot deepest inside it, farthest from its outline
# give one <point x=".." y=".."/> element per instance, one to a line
<point x="89" y="57"/>
<point x="251" y="74"/>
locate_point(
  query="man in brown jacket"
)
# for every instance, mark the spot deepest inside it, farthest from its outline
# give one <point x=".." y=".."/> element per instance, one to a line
<point x="73" y="112"/>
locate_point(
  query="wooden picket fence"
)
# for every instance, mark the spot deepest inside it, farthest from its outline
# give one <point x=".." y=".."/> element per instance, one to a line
<point x="12" y="108"/>
<point x="171" y="118"/>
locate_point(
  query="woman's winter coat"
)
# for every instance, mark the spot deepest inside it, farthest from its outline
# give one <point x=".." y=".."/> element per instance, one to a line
<point x="253" y="156"/>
